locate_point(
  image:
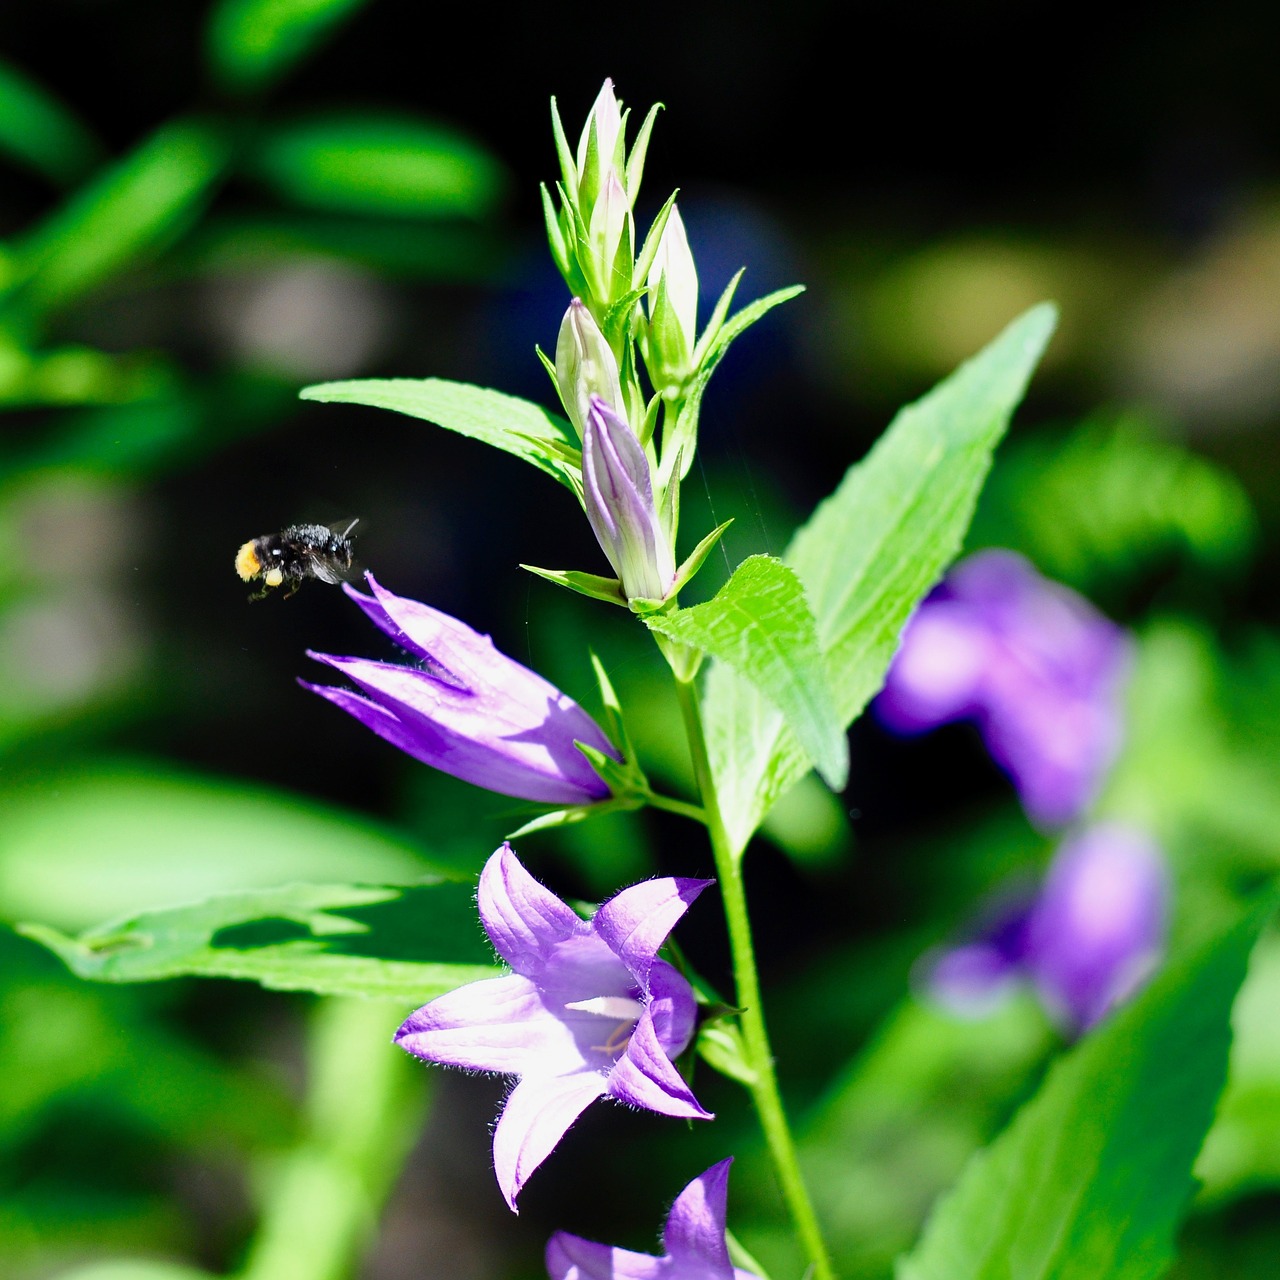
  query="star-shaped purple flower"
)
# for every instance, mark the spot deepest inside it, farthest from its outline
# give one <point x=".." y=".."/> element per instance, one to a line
<point x="468" y="709"/>
<point x="588" y="1011"/>
<point x="692" y="1239"/>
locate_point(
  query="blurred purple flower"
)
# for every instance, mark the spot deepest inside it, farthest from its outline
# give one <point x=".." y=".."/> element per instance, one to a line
<point x="693" y="1241"/>
<point x="588" y="1012"/>
<point x="468" y="710"/>
<point x="1086" y="940"/>
<point x="1037" y="667"/>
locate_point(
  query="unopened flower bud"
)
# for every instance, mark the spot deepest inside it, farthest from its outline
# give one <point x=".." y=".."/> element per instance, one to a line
<point x="673" y="307"/>
<point x="598" y="147"/>
<point x="585" y="366"/>
<point x="618" y="496"/>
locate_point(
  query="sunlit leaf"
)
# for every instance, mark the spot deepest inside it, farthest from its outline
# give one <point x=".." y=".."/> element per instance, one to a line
<point x="868" y="555"/>
<point x="759" y="624"/>
<point x="515" y="426"/>
<point x="253" y="42"/>
<point x="397" y="165"/>
<point x="104" y="839"/>
<point x="1094" y="1173"/>
<point x="407" y="943"/>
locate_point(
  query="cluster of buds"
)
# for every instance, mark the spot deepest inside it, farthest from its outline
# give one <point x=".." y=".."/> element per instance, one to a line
<point x="629" y="311"/>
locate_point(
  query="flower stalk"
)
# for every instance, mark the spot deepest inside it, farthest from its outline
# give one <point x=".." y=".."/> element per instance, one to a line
<point x="763" y="1082"/>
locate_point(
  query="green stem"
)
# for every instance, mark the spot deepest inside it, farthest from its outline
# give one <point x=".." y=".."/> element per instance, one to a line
<point x="764" y="1085"/>
<point x="672" y="805"/>
<point x="322" y="1199"/>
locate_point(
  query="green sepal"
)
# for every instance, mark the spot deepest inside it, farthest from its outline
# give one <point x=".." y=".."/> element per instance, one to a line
<point x="555" y="233"/>
<point x="639" y="150"/>
<point x="565" y="817"/>
<point x="568" y="161"/>
<point x="716" y="322"/>
<point x="649" y="250"/>
<point x="697" y="557"/>
<point x="685" y="433"/>
<point x="618" y="734"/>
<point x="585" y="584"/>
<point x="615" y="324"/>
<point x="721" y="1047"/>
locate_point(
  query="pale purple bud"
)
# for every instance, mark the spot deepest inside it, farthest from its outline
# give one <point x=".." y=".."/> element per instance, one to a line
<point x="673" y="305"/>
<point x="585" y="365"/>
<point x="611" y="241"/>
<point x="618" y="496"/>
<point x="605" y="121"/>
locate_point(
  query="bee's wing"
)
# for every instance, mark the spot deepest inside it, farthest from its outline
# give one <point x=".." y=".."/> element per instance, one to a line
<point x="324" y="569"/>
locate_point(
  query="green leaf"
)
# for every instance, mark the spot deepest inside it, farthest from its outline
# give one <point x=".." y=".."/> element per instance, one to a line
<point x="107" y="838"/>
<point x="250" y="43"/>
<point x="397" y="943"/>
<point x="401" y="166"/>
<point x="36" y="129"/>
<point x="1094" y="1173"/>
<point x="759" y="624"/>
<point x="867" y="557"/>
<point x="506" y="422"/>
<point x="135" y="1269"/>
<point x="132" y="209"/>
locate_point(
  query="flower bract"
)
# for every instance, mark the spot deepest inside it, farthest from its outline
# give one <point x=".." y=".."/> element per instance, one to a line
<point x="588" y="1011"/>
<point x="468" y="709"/>
<point x="693" y="1241"/>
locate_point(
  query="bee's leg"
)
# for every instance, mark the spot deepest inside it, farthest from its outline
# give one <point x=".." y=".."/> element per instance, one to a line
<point x="293" y="589"/>
<point x="260" y="595"/>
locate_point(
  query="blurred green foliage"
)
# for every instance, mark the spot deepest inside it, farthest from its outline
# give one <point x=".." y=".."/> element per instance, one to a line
<point x="213" y="1130"/>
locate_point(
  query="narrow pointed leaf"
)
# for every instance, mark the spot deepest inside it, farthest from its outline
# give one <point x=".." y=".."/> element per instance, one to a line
<point x="698" y="556"/>
<point x="405" y="943"/>
<point x="1094" y="1173"/>
<point x="759" y="624"/>
<point x="515" y="426"/>
<point x="866" y="558"/>
<point x="585" y="584"/>
<point x="36" y="129"/>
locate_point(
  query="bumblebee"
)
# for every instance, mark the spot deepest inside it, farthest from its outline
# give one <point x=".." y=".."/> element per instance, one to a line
<point x="290" y="557"/>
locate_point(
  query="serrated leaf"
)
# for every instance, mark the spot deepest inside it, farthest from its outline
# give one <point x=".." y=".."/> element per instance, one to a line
<point x="384" y="164"/>
<point x="867" y="557"/>
<point x="508" y="423"/>
<point x="405" y="943"/>
<point x="759" y="624"/>
<point x="253" y="42"/>
<point x="133" y="208"/>
<point x="1094" y="1173"/>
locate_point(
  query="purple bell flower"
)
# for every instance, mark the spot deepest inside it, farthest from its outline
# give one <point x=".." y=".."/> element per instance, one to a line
<point x="1086" y="939"/>
<point x="468" y="710"/>
<point x="693" y="1241"/>
<point x="1038" y="668"/>
<point x="588" y="1011"/>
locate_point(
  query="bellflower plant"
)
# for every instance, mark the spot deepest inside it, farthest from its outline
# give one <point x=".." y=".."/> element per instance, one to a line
<point x="1035" y="665"/>
<point x="693" y="1241"/>
<point x="468" y="710"/>
<point x="588" y="1011"/>
<point x="1085" y="940"/>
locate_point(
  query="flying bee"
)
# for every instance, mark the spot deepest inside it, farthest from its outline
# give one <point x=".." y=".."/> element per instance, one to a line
<point x="299" y="552"/>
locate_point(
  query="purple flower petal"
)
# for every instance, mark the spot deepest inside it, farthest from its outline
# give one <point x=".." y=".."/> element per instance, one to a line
<point x="470" y="711"/>
<point x="588" y="1012"/>
<point x="635" y="922"/>
<point x="693" y="1238"/>
<point x="572" y="1258"/>
<point x="694" y="1234"/>
<point x="645" y="1077"/>
<point x="536" y="1115"/>
<point x="525" y="921"/>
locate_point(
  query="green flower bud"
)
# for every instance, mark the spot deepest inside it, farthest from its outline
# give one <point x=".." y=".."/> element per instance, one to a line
<point x="673" y="308"/>
<point x="585" y="366"/>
